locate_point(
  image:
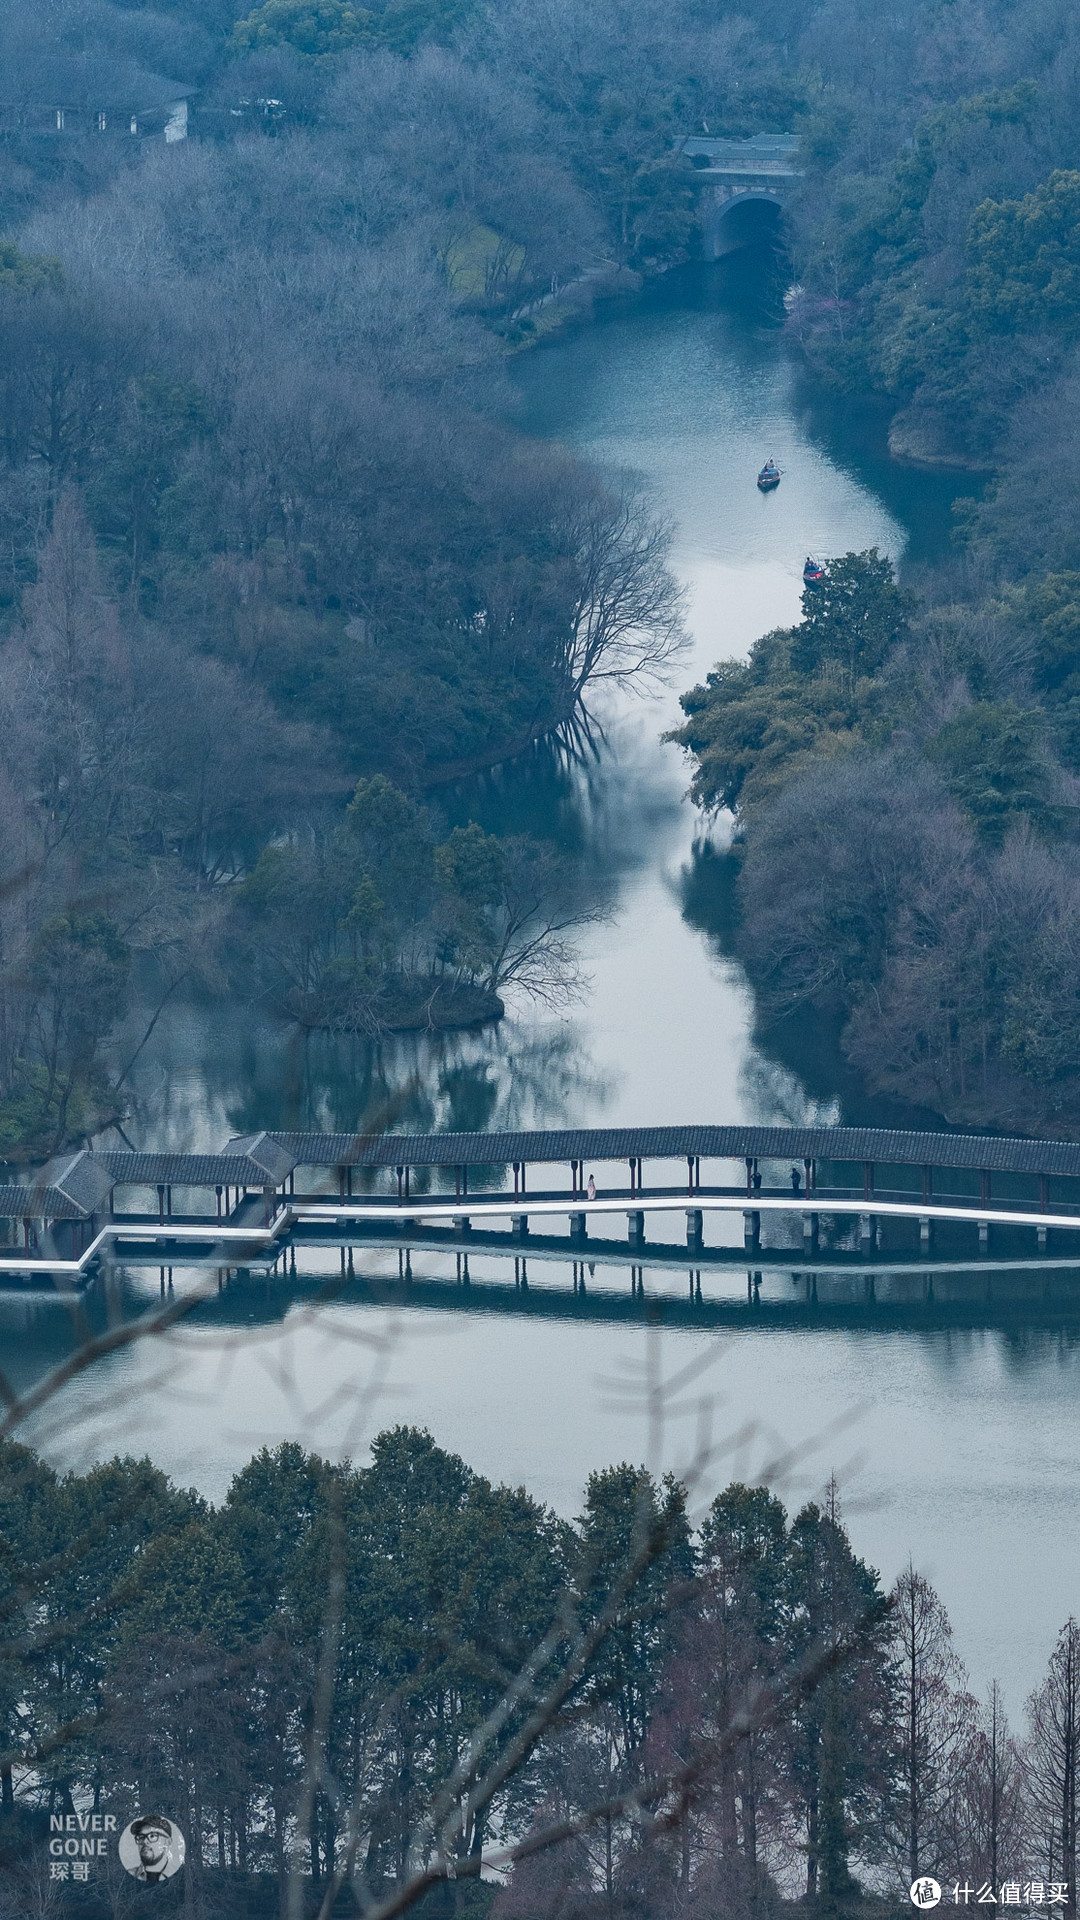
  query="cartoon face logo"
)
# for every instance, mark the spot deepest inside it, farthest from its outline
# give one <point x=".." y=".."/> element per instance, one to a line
<point x="924" y="1892"/>
<point x="152" y="1848"/>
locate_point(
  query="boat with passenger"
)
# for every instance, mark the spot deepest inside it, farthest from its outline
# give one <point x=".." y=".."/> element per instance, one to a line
<point x="769" y="477"/>
<point x="813" y="572"/>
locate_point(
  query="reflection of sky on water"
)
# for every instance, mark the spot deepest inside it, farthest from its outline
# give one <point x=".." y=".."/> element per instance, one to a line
<point x="967" y="1440"/>
<point x="693" y="398"/>
<point x="960" y="1449"/>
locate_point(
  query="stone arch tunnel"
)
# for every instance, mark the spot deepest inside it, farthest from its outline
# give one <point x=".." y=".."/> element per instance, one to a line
<point x="745" y="217"/>
<point x="742" y="186"/>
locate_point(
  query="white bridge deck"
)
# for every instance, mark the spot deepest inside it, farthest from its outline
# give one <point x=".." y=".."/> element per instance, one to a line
<point x="169" y="1237"/>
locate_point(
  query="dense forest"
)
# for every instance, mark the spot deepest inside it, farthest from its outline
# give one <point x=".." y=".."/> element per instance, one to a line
<point x="297" y="1676"/>
<point x="277" y="566"/>
<point x="908" y="856"/>
<point x="903" y="767"/>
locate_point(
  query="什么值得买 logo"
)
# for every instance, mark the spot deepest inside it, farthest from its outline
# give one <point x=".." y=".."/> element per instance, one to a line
<point x="925" y="1893"/>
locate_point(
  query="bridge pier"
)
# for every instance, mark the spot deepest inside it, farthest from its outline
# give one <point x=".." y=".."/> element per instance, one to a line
<point x="462" y="1223"/>
<point x="1040" y="1236"/>
<point x="868" y="1232"/>
<point x="751" y="1229"/>
<point x="811" y="1229"/>
<point x="579" y="1228"/>
<point x="984" y="1236"/>
<point x="926" y="1233"/>
<point x="635" y="1228"/>
<point x="693" y="1227"/>
<point x="519" y="1226"/>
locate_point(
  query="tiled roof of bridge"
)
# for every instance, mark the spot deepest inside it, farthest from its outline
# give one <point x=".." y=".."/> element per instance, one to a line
<point x="266" y="1151"/>
<point x="979" y="1151"/>
<point x="29" y="1202"/>
<point x="72" y="1188"/>
<point x="183" y="1170"/>
<point x="81" y="1178"/>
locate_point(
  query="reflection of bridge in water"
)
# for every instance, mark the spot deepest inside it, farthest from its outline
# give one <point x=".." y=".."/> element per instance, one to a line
<point x="603" y="1285"/>
<point x="848" y="1194"/>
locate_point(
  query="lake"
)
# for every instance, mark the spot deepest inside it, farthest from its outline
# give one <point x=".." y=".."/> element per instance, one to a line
<point x="959" y="1449"/>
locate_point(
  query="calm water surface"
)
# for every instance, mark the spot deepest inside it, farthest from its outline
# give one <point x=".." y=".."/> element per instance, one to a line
<point x="959" y="1449"/>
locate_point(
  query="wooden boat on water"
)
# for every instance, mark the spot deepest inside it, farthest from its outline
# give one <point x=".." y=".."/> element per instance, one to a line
<point x="769" y="477"/>
<point x="813" y="573"/>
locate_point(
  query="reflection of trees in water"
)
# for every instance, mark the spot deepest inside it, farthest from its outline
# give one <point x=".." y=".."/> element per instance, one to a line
<point x="218" y="1069"/>
<point x="777" y="1097"/>
<point x="466" y="1083"/>
<point x="215" y="1066"/>
<point x="562" y="791"/>
<point x="536" y="793"/>
<point x="773" y="1078"/>
<point x="797" y="1074"/>
<point x="707" y="893"/>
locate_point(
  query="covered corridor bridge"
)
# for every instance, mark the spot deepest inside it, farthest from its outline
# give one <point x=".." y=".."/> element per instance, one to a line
<point x="881" y="1159"/>
<point x="873" y="1172"/>
<point x="266" y="1188"/>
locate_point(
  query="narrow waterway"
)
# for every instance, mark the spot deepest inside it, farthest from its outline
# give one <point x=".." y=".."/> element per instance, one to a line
<point x="960" y="1449"/>
<point x="690" y="390"/>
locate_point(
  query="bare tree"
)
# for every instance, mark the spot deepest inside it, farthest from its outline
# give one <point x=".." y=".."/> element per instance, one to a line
<point x="989" y="1802"/>
<point x="624" y="610"/>
<point x="1051" y="1753"/>
<point x="935" y="1721"/>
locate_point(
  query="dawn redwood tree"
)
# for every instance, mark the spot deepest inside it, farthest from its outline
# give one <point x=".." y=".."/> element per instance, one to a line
<point x="935" y="1719"/>
<point x="1051" y="1753"/>
<point x="68" y="680"/>
<point x="989" y="1802"/>
<point x="625" y="1512"/>
<point x="629" y="1521"/>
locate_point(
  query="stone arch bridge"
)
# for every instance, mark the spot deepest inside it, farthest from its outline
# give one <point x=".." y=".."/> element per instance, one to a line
<point x="743" y="185"/>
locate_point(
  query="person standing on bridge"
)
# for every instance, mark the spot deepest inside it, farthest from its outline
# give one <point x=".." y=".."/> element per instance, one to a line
<point x="592" y="1188"/>
<point x="796" y="1180"/>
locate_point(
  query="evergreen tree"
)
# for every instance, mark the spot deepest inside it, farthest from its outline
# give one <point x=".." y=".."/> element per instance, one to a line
<point x="840" y="1731"/>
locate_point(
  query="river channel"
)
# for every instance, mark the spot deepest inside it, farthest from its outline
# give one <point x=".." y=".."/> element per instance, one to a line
<point x="957" y="1448"/>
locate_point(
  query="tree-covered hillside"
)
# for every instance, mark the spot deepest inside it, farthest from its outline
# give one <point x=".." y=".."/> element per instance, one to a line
<point x="269" y="532"/>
